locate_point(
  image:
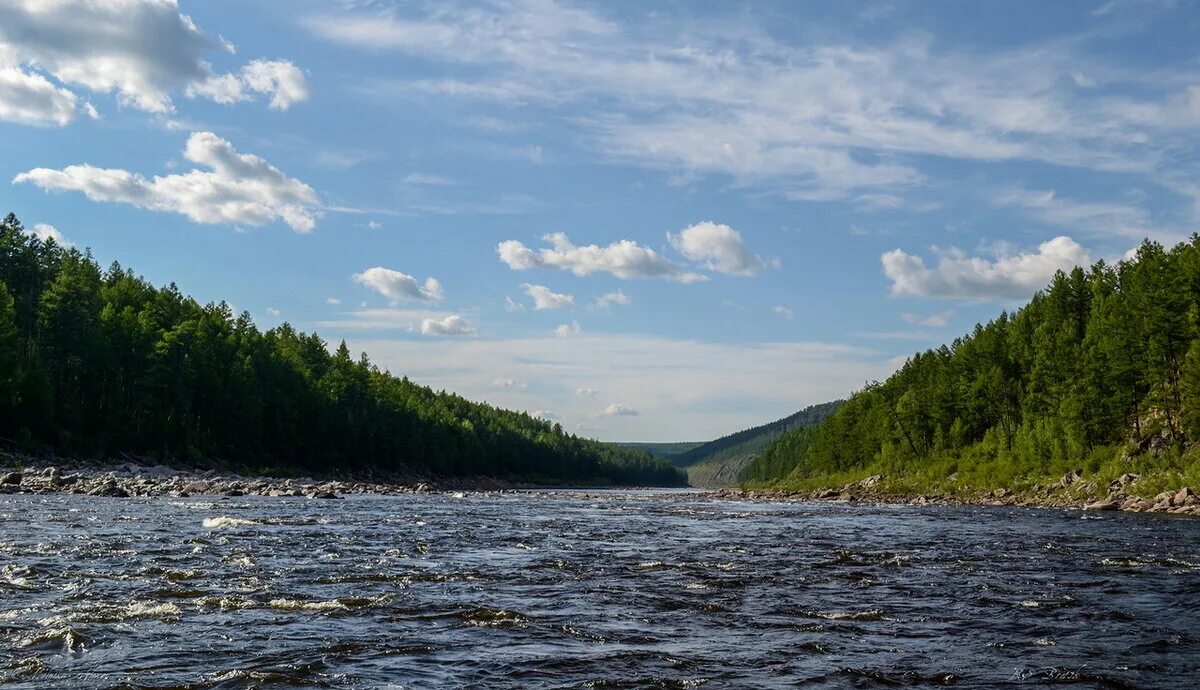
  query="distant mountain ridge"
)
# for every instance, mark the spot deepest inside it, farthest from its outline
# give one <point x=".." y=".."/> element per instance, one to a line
<point x="719" y="462"/>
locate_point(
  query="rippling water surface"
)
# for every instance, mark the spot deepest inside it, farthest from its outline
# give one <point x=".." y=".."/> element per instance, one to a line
<point x="614" y="590"/>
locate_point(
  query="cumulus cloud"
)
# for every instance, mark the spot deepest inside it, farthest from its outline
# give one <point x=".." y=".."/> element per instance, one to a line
<point x="239" y="188"/>
<point x="332" y="300"/>
<point x="31" y="99"/>
<point x="567" y="330"/>
<point x="720" y="248"/>
<point x="398" y="286"/>
<point x="783" y="311"/>
<point x="610" y="298"/>
<point x="504" y="382"/>
<point x="618" y="410"/>
<point x="1008" y="276"/>
<point x="451" y="325"/>
<point x="587" y="392"/>
<point x="548" y="415"/>
<point x="45" y="231"/>
<point x="624" y="259"/>
<point x="141" y="50"/>
<point x="544" y="298"/>
<point x="279" y="80"/>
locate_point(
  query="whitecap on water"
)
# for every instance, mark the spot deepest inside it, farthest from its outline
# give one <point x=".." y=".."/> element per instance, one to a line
<point x="297" y="605"/>
<point x="144" y="609"/>
<point x="225" y="521"/>
<point x="65" y="638"/>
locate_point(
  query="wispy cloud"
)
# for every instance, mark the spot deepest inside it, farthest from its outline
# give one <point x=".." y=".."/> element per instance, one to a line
<point x="820" y="120"/>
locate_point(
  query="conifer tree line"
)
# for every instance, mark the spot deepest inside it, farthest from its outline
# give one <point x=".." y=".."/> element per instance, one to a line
<point x="101" y="363"/>
<point x="1102" y="368"/>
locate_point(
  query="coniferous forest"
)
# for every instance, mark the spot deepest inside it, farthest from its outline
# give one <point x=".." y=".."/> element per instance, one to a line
<point x="1099" y="374"/>
<point x="100" y="363"/>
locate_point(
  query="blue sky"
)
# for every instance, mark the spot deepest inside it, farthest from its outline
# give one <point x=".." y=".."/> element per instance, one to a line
<point x="655" y="222"/>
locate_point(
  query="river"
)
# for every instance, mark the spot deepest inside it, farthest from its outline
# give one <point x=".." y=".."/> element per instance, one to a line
<point x="603" y="590"/>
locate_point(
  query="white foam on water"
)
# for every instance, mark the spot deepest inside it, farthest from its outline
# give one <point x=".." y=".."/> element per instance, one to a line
<point x="296" y="605"/>
<point x="224" y="521"/>
<point x="143" y="609"/>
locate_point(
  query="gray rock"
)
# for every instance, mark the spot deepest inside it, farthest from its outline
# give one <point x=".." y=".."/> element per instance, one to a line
<point x="196" y="487"/>
<point x="1183" y="496"/>
<point x="1103" y="505"/>
<point x="11" y="478"/>
<point x="109" y="490"/>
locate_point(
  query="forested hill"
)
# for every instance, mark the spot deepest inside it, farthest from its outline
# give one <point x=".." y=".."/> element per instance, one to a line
<point x="720" y="462"/>
<point x="754" y="440"/>
<point x="1099" y="374"/>
<point x="101" y="363"/>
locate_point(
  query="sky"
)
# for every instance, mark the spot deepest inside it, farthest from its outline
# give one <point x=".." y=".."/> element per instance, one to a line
<point x="648" y="221"/>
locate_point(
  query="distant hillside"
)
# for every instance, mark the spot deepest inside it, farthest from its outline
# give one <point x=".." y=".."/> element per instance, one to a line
<point x="662" y="451"/>
<point x="719" y="462"/>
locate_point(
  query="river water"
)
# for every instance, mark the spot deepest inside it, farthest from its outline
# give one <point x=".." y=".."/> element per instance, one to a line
<point x="608" y="590"/>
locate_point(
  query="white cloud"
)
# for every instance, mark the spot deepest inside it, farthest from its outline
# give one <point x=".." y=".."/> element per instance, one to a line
<point x="280" y="80"/>
<point x="783" y="311"/>
<point x="141" y="50"/>
<point x="544" y="298"/>
<point x="587" y="392"/>
<point x="398" y="286"/>
<point x="1009" y="276"/>
<point x="938" y="320"/>
<point x="332" y="300"/>
<point x="829" y="118"/>
<point x="618" y="410"/>
<point x="272" y="311"/>
<point x="610" y="298"/>
<point x="30" y="99"/>
<point x="1106" y="218"/>
<point x="720" y="248"/>
<point x="567" y="330"/>
<point x="512" y="305"/>
<point x="241" y="188"/>
<point x="45" y="231"/>
<point x="548" y="415"/>
<point x="451" y="325"/>
<point x="507" y="383"/>
<point x="623" y="259"/>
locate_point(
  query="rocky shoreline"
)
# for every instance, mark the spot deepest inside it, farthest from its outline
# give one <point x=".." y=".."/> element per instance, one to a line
<point x="27" y="475"/>
<point x="30" y="475"/>
<point x="1070" y="492"/>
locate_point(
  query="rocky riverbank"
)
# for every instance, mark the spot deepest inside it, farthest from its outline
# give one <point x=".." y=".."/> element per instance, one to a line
<point x="132" y="479"/>
<point x="26" y="474"/>
<point x="1069" y="492"/>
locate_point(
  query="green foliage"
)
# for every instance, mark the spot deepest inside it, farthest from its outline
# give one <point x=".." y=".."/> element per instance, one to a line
<point x="101" y="363"/>
<point x="1099" y="373"/>
<point x="664" y="451"/>
<point x="750" y="442"/>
